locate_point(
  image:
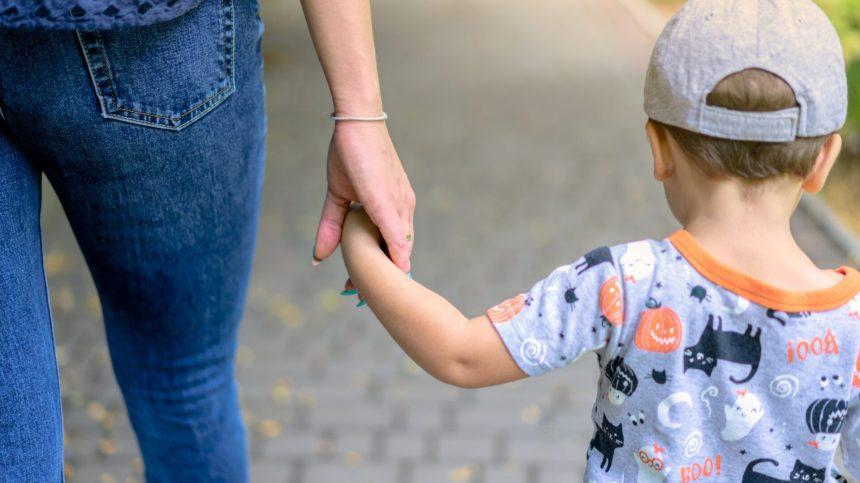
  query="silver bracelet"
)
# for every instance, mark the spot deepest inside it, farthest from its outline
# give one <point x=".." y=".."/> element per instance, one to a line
<point x="340" y="117"/>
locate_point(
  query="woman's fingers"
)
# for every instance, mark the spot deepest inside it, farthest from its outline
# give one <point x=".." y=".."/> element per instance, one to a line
<point x="397" y="234"/>
<point x="329" y="229"/>
<point x="407" y="214"/>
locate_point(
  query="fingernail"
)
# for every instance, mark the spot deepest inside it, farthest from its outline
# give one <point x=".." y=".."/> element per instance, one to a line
<point x="314" y="260"/>
<point x="409" y="274"/>
<point x="349" y="292"/>
<point x="361" y="303"/>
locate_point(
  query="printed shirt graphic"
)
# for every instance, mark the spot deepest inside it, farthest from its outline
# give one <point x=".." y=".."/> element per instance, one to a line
<point x="706" y="374"/>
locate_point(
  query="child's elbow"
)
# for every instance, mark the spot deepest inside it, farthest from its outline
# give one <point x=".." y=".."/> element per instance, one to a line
<point x="461" y="382"/>
<point x="460" y="375"/>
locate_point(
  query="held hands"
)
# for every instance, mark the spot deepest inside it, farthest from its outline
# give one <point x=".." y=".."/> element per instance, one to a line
<point x="363" y="166"/>
<point x="359" y="237"/>
<point x="359" y="230"/>
<point x="452" y="348"/>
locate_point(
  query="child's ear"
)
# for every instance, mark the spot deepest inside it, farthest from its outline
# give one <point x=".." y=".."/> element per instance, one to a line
<point x="664" y="166"/>
<point x="823" y="164"/>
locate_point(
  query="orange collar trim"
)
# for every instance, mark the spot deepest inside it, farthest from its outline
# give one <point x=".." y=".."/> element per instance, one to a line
<point x="761" y="292"/>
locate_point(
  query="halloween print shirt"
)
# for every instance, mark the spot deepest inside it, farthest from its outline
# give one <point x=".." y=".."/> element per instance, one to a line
<point x="706" y="374"/>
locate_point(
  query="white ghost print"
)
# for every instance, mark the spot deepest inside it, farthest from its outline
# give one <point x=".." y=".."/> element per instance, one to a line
<point x="652" y="464"/>
<point x="638" y="261"/>
<point x="826" y="441"/>
<point x="742" y="416"/>
<point x="740" y="307"/>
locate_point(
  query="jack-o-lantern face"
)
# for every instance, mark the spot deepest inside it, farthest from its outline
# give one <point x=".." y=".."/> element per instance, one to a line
<point x="506" y="310"/>
<point x="611" y="303"/>
<point x="857" y="373"/>
<point x="659" y="329"/>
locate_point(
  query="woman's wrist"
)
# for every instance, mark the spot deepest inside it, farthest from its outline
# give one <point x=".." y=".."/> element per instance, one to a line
<point x="357" y="104"/>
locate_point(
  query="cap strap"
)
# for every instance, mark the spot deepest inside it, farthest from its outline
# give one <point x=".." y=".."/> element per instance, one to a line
<point x="775" y="126"/>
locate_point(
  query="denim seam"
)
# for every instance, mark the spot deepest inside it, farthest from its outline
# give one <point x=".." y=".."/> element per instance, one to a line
<point x="102" y="78"/>
<point x="108" y="71"/>
<point x="90" y="70"/>
<point x="51" y="323"/>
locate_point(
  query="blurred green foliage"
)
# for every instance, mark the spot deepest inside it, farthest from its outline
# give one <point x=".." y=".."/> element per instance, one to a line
<point x="845" y="15"/>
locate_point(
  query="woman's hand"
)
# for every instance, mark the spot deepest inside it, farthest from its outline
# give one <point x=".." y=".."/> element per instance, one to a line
<point x="362" y="163"/>
<point x="363" y="166"/>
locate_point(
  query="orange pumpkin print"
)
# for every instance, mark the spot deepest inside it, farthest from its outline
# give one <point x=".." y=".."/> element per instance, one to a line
<point x="611" y="303"/>
<point x="857" y="372"/>
<point x="659" y="329"/>
<point x="506" y="310"/>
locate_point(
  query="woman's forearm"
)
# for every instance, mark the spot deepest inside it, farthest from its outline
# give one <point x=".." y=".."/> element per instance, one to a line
<point x="342" y="33"/>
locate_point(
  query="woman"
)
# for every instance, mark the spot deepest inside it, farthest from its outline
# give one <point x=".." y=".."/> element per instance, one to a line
<point x="147" y="118"/>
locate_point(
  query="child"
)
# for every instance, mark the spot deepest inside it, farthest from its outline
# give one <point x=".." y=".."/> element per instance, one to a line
<point x="741" y="353"/>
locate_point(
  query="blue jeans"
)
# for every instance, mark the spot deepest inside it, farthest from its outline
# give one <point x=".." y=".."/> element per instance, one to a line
<point x="153" y="140"/>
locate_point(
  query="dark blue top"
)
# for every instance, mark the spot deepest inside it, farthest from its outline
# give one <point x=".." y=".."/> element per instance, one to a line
<point x="89" y="14"/>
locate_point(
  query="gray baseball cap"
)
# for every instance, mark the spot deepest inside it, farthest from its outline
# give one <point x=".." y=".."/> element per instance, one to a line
<point x="709" y="40"/>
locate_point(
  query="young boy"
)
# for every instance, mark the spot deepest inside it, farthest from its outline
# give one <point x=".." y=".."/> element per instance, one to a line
<point x="741" y="353"/>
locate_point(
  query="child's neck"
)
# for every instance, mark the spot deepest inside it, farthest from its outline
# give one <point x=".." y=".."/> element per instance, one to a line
<point x="751" y="232"/>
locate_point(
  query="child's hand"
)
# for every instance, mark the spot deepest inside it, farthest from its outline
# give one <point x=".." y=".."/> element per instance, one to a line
<point x="358" y="229"/>
<point x="454" y="349"/>
<point x="359" y="234"/>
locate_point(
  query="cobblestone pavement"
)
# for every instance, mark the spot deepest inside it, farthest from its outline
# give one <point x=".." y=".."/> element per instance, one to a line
<point x="521" y="128"/>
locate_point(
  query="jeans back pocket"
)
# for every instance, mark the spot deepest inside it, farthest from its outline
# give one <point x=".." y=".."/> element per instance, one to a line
<point x="166" y="75"/>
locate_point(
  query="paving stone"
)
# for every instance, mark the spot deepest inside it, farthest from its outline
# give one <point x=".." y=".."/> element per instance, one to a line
<point x="507" y="474"/>
<point x="350" y="415"/>
<point x="561" y="474"/>
<point x="410" y="446"/>
<point x="101" y="473"/>
<point x="422" y="416"/>
<point x="352" y="445"/>
<point x="441" y="473"/>
<point x="513" y="417"/>
<point x="317" y="472"/>
<point x="270" y="472"/>
<point x="293" y="445"/>
<point x="575" y="425"/>
<point x="466" y="448"/>
<point x="534" y="449"/>
<point x="420" y="391"/>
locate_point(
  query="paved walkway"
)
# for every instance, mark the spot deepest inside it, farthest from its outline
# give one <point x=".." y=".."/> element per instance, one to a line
<point x="521" y="128"/>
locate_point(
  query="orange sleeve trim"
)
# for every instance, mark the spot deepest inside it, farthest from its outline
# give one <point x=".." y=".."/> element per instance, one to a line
<point x="761" y="292"/>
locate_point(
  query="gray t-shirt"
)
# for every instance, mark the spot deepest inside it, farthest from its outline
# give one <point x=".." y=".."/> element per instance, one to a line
<point x="707" y="374"/>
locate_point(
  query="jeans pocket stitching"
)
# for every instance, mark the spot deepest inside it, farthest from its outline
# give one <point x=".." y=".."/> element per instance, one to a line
<point x="112" y="107"/>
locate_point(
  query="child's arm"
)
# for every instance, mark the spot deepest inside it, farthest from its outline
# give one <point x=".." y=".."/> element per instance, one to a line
<point x="438" y="337"/>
